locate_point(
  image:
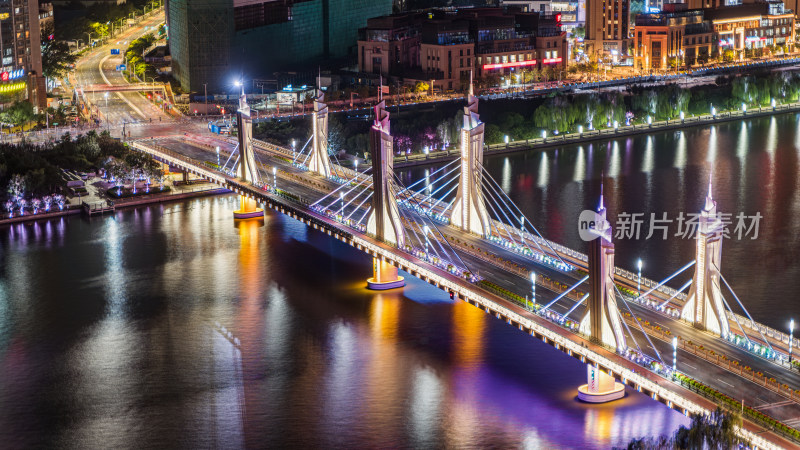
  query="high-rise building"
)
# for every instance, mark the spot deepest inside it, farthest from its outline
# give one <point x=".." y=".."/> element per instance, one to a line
<point x="214" y="42"/>
<point x="607" y="23"/>
<point x="20" y="47"/>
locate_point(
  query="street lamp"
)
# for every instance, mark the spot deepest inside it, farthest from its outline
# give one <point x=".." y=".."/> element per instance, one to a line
<point x="533" y="287"/>
<point x="274" y="177"/>
<point x="791" y="339"/>
<point x="341" y="200"/>
<point x="713" y="112"/>
<point x="639" y="278"/>
<point x="505" y="138"/>
<point x="544" y="135"/>
<point x="425" y="231"/>
<point x="674" y="353"/>
<point x="356" y="165"/>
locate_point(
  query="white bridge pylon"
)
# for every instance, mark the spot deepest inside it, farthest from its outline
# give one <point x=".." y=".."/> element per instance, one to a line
<point x="704" y="305"/>
<point x="384" y="220"/>
<point x="602" y="319"/>
<point x="248" y="171"/>
<point x="319" y="162"/>
<point x="469" y="208"/>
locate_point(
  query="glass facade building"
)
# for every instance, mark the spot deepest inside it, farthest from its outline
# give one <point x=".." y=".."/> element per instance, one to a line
<point x="215" y="42"/>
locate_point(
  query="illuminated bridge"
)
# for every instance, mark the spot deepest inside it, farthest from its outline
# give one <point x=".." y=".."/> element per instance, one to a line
<point x="457" y="230"/>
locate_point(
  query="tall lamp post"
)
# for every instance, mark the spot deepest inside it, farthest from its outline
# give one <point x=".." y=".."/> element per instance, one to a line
<point x="639" y="278"/>
<point x="674" y="353"/>
<point x="791" y="339"/>
<point x="533" y="287"/>
<point x="106" y="97"/>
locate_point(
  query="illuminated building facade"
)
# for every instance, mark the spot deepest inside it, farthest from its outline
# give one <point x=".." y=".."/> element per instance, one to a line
<point x="607" y="27"/>
<point x="451" y="44"/>
<point x="694" y="35"/>
<point x="21" y="71"/>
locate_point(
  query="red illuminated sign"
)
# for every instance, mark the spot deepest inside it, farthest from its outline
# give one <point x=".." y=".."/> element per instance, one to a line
<point x="558" y="18"/>
<point x="551" y="61"/>
<point x="4" y="76"/>
<point x="509" y="64"/>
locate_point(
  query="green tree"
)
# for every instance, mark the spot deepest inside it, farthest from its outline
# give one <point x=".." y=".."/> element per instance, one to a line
<point x="56" y="59"/>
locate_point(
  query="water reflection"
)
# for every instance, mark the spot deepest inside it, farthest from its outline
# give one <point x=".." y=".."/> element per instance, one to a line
<point x="188" y="330"/>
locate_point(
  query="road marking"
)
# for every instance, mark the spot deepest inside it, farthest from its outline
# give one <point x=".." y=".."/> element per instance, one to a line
<point x="724" y="382"/>
<point x="775" y="405"/>
<point x="119" y="94"/>
<point x="689" y="365"/>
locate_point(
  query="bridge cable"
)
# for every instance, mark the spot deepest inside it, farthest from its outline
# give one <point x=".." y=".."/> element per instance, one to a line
<point x="423" y="179"/>
<point x="497" y="215"/>
<point x="367" y="197"/>
<point x="302" y="150"/>
<point x="560" y="296"/>
<point x="630" y="333"/>
<point x="579" y="303"/>
<point x="510" y="222"/>
<point x="745" y="311"/>
<point x="685" y="285"/>
<point x="343" y="185"/>
<point x="346" y="194"/>
<point x="547" y="242"/>
<point x="749" y="341"/>
<point x="442" y="236"/>
<point x="636" y="319"/>
<point x="410" y="219"/>
<point x="358" y="208"/>
<point x="668" y="278"/>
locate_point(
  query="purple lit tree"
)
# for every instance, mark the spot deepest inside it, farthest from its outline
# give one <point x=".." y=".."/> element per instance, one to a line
<point x="59" y="200"/>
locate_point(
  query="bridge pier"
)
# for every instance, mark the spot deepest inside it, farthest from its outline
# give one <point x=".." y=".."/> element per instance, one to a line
<point x="384" y="276"/>
<point x="600" y="387"/>
<point x="248" y="209"/>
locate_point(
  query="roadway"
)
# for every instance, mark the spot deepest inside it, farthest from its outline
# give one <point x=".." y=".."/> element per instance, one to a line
<point x="711" y="373"/>
<point x="98" y="67"/>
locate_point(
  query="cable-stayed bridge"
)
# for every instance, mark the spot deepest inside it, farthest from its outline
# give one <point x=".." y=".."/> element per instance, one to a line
<point x="458" y="230"/>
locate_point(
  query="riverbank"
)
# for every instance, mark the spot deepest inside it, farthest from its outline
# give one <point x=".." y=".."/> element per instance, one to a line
<point x="131" y="202"/>
<point x="598" y="135"/>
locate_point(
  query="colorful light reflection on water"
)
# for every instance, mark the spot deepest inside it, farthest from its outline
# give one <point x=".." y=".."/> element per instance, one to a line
<point x="169" y="326"/>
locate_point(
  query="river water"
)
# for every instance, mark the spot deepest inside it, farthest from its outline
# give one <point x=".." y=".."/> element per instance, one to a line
<point x="755" y="171"/>
<point x="167" y="326"/>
